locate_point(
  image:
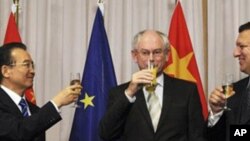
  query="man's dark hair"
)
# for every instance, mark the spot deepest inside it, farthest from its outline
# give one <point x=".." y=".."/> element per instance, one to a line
<point x="5" y="54"/>
<point x="244" y="27"/>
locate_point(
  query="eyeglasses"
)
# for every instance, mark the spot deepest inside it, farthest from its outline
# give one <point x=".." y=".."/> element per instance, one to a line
<point x="28" y="65"/>
<point x="146" y="53"/>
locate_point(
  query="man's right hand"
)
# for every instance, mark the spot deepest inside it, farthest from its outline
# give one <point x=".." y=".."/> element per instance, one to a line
<point x="67" y="95"/>
<point x="139" y="79"/>
<point x="217" y="100"/>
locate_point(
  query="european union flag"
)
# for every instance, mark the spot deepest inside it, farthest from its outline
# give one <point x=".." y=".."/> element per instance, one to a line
<point x="98" y="78"/>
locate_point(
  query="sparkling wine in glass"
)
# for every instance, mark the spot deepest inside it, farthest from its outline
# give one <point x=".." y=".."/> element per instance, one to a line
<point x="74" y="80"/>
<point x="227" y="86"/>
<point x="151" y="87"/>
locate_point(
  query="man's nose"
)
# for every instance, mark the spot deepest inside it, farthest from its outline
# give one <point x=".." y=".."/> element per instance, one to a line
<point x="151" y="56"/>
<point x="236" y="51"/>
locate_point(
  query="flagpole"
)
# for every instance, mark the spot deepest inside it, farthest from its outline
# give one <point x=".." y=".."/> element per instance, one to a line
<point x="101" y="6"/>
<point x="16" y="2"/>
<point x="205" y="43"/>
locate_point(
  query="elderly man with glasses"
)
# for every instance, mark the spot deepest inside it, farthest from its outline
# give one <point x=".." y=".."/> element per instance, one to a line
<point x="168" y="109"/>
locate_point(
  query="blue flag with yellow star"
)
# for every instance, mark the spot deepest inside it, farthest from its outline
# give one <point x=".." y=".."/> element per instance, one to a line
<point x="98" y="78"/>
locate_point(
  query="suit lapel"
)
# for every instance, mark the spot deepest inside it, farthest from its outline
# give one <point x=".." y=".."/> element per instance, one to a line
<point x="33" y="108"/>
<point x="235" y="102"/>
<point x="168" y="90"/>
<point x="8" y="103"/>
<point x="242" y="94"/>
<point x="143" y="107"/>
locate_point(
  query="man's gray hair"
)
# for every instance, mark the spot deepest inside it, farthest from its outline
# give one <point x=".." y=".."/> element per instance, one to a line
<point x="138" y="36"/>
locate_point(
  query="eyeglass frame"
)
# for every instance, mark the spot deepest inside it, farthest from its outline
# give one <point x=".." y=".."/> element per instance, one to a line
<point x="27" y="64"/>
<point x="146" y="53"/>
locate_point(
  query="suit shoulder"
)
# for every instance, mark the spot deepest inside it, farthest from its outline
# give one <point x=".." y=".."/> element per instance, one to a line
<point x="243" y="81"/>
<point x="241" y="84"/>
<point x="122" y="86"/>
<point x="179" y="81"/>
<point x="33" y="106"/>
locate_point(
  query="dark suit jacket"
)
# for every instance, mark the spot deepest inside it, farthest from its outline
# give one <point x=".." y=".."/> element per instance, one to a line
<point x="14" y="127"/>
<point x="181" y="117"/>
<point x="220" y="132"/>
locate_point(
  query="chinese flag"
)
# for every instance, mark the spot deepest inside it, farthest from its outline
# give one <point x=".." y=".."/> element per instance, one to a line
<point x="12" y="35"/>
<point x="182" y="63"/>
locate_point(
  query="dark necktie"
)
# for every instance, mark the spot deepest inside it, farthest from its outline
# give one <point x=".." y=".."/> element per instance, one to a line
<point x="24" y="106"/>
<point x="245" y="111"/>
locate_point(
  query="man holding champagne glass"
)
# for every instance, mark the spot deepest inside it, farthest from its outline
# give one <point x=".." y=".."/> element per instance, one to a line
<point x="238" y="102"/>
<point x="153" y="106"/>
<point x="21" y="120"/>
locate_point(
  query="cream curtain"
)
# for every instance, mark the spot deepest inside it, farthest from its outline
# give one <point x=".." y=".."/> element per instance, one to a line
<point x="224" y="19"/>
<point x="57" y="33"/>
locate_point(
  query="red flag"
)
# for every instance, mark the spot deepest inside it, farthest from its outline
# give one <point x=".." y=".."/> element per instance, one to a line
<point x="182" y="63"/>
<point x="12" y="35"/>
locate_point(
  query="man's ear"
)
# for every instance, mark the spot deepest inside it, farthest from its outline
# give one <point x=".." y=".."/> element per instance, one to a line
<point x="167" y="55"/>
<point x="5" y="71"/>
<point x="134" y="55"/>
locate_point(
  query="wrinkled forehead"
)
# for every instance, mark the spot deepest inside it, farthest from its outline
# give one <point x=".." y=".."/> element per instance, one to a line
<point x="148" y="41"/>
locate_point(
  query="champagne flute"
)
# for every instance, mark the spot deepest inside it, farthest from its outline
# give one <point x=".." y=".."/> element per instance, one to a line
<point x="151" y="87"/>
<point x="227" y="85"/>
<point x="75" y="79"/>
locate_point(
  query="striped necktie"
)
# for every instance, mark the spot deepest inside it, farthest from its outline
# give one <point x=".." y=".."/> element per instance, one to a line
<point x="154" y="109"/>
<point x="24" y="107"/>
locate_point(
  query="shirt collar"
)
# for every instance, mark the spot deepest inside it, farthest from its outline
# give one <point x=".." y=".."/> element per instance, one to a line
<point x="14" y="96"/>
<point x="159" y="80"/>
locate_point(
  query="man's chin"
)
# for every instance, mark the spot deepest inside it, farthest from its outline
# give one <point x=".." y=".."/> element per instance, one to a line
<point x="29" y="85"/>
<point x="244" y="70"/>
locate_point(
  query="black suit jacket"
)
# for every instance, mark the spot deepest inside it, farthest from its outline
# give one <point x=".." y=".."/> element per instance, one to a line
<point x="220" y="132"/>
<point x="14" y="127"/>
<point x="181" y="117"/>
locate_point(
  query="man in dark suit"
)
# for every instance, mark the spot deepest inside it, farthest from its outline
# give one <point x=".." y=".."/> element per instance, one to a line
<point x="175" y="113"/>
<point x="219" y="120"/>
<point x="22" y="122"/>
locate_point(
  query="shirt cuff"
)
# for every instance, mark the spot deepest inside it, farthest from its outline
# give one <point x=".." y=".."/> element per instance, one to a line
<point x="214" y="118"/>
<point x="130" y="99"/>
<point x="57" y="109"/>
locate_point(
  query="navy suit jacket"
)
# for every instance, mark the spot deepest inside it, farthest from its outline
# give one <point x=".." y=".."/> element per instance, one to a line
<point x="14" y="127"/>
<point x="181" y="117"/>
<point x="220" y="132"/>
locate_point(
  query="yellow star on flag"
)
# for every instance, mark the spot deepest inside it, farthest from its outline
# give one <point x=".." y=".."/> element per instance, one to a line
<point x="87" y="101"/>
<point x="179" y="66"/>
